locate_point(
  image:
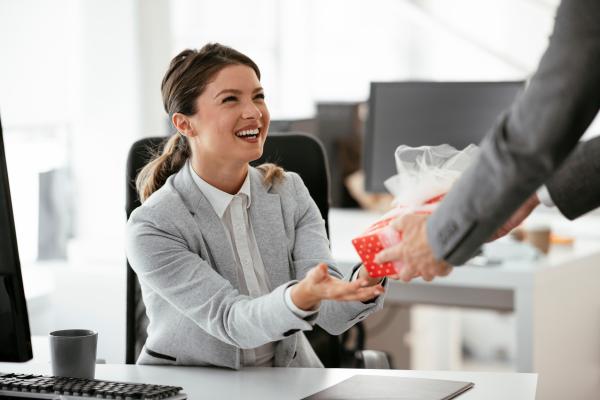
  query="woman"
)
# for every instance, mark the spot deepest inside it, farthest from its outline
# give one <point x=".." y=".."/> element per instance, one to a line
<point x="233" y="261"/>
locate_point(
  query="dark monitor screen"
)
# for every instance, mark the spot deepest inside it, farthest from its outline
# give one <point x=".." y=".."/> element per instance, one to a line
<point x="428" y="113"/>
<point x="15" y="338"/>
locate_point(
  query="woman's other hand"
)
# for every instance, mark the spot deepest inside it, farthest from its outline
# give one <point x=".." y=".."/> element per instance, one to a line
<point x="318" y="285"/>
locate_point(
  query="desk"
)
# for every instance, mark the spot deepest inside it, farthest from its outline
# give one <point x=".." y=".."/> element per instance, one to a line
<point x="290" y="383"/>
<point x="554" y="298"/>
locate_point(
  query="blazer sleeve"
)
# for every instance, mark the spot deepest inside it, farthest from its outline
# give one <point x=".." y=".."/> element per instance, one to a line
<point x="530" y="141"/>
<point x="575" y="187"/>
<point x="162" y="259"/>
<point x="311" y="247"/>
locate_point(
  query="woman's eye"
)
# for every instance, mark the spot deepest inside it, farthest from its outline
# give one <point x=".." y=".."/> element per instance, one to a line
<point x="229" y="98"/>
<point x="260" y="96"/>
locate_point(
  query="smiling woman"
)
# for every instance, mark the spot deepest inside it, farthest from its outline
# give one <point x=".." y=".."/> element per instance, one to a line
<point x="229" y="128"/>
<point x="186" y="79"/>
<point x="233" y="261"/>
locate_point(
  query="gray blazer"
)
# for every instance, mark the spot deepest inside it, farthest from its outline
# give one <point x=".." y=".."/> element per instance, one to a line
<point x="528" y="143"/>
<point x="178" y="247"/>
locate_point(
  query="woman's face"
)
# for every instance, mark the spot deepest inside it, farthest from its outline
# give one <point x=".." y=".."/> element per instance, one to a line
<point x="232" y="120"/>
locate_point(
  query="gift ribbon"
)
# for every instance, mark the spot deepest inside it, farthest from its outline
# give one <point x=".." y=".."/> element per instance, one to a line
<point x="416" y="210"/>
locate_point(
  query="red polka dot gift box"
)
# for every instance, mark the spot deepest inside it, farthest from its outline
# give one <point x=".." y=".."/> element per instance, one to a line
<point x="381" y="235"/>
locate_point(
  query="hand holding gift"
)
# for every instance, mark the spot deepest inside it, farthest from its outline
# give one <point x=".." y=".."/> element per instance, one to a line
<point x="425" y="174"/>
<point x="413" y="250"/>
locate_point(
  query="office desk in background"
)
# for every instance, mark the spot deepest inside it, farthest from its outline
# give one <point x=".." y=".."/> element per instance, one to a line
<point x="289" y="383"/>
<point x="555" y="300"/>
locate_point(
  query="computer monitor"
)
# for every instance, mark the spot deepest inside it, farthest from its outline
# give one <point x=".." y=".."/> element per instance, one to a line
<point x="15" y="337"/>
<point x="428" y="113"/>
<point x="340" y="131"/>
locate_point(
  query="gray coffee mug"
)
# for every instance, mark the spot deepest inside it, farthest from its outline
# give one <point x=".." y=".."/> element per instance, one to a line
<point x="73" y="353"/>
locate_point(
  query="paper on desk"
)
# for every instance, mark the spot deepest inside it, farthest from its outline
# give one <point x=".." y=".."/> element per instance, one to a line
<point x="377" y="387"/>
<point x="508" y="249"/>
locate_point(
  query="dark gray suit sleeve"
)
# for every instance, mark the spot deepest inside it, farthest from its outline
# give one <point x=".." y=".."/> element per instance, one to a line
<point x="530" y="141"/>
<point x="575" y="187"/>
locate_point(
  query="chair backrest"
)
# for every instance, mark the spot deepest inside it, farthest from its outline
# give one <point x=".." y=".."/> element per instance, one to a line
<point x="139" y="154"/>
<point x="297" y="152"/>
<point x="303" y="154"/>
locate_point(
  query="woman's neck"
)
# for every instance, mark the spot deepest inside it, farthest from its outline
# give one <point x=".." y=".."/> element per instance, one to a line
<point x="228" y="178"/>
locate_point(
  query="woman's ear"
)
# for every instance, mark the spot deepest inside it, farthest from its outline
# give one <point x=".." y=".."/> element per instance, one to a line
<point x="183" y="125"/>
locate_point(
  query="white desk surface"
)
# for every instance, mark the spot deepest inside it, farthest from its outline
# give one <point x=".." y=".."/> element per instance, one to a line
<point x="290" y="383"/>
<point x="553" y="297"/>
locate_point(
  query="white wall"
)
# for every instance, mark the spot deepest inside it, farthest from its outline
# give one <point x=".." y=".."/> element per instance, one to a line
<point x="33" y="96"/>
<point x="77" y="67"/>
<point x="69" y="297"/>
<point x="318" y="50"/>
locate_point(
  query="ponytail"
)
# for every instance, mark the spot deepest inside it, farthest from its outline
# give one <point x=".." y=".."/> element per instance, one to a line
<point x="272" y="173"/>
<point x="155" y="173"/>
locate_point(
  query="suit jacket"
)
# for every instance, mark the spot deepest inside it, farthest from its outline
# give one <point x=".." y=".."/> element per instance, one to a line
<point x="529" y="142"/>
<point x="178" y="247"/>
<point x="575" y="187"/>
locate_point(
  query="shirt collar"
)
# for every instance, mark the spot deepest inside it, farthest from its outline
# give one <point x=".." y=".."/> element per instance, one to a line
<point x="218" y="199"/>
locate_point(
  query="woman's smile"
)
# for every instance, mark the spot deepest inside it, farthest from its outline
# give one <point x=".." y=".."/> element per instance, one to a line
<point x="249" y="134"/>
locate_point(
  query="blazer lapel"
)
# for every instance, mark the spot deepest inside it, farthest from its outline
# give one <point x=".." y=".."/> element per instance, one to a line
<point x="209" y="225"/>
<point x="269" y="231"/>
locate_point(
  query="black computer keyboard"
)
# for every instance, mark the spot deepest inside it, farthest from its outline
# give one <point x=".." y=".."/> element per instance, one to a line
<point x="53" y="387"/>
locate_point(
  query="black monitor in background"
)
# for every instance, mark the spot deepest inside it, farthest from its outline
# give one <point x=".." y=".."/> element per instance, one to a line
<point x="15" y="338"/>
<point x="336" y="125"/>
<point x="340" y="131"/>
<point x="428" y="113"/>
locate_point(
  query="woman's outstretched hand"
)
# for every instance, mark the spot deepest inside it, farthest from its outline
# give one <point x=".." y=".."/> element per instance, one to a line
<point x="318" y="285"/>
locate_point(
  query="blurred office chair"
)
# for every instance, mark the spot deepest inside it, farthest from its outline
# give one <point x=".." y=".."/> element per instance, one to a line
<point x="305" y="155"/>
<point x="296" y="152"/>
<point x="137" y="321"/>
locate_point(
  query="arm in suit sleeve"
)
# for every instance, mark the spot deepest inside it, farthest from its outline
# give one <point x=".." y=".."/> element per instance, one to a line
<point x="162" y="259"/>
<point x="529" y="142"/>
<point x="311" y="247"/>
<point x="575" y="187"/>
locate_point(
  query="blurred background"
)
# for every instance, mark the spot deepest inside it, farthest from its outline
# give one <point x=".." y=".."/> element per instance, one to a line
<point x="80" y="82"/>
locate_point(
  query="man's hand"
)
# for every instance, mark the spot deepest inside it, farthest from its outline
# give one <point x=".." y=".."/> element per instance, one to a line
<point x="414" y="250"/>
<point x="518" y="217"/>
<point x="318" y="285"/>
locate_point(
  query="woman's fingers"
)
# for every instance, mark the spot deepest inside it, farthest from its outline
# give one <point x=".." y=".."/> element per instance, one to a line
<point x="363" y="294"/>
<point x="320" y="272"/>
<point x="336" y="288"/>
<point x="331" y="288"/>
<point x="348" y="291"/>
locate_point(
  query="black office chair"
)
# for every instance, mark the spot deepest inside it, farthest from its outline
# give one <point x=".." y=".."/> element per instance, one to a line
<point x="137" y="322"/>
<point x="305" y="155"/>
<point x="296" y="152"/>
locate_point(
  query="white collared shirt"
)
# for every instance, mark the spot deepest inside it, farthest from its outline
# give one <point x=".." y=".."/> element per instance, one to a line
<point x="544" y="196"/>
<point x="258" y="284"/>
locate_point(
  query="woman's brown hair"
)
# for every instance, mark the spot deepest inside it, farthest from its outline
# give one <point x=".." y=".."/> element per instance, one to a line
<point x="186" y="78"/>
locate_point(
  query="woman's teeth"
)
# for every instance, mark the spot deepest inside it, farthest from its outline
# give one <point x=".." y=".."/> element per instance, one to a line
<point x="247" y="133"/>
